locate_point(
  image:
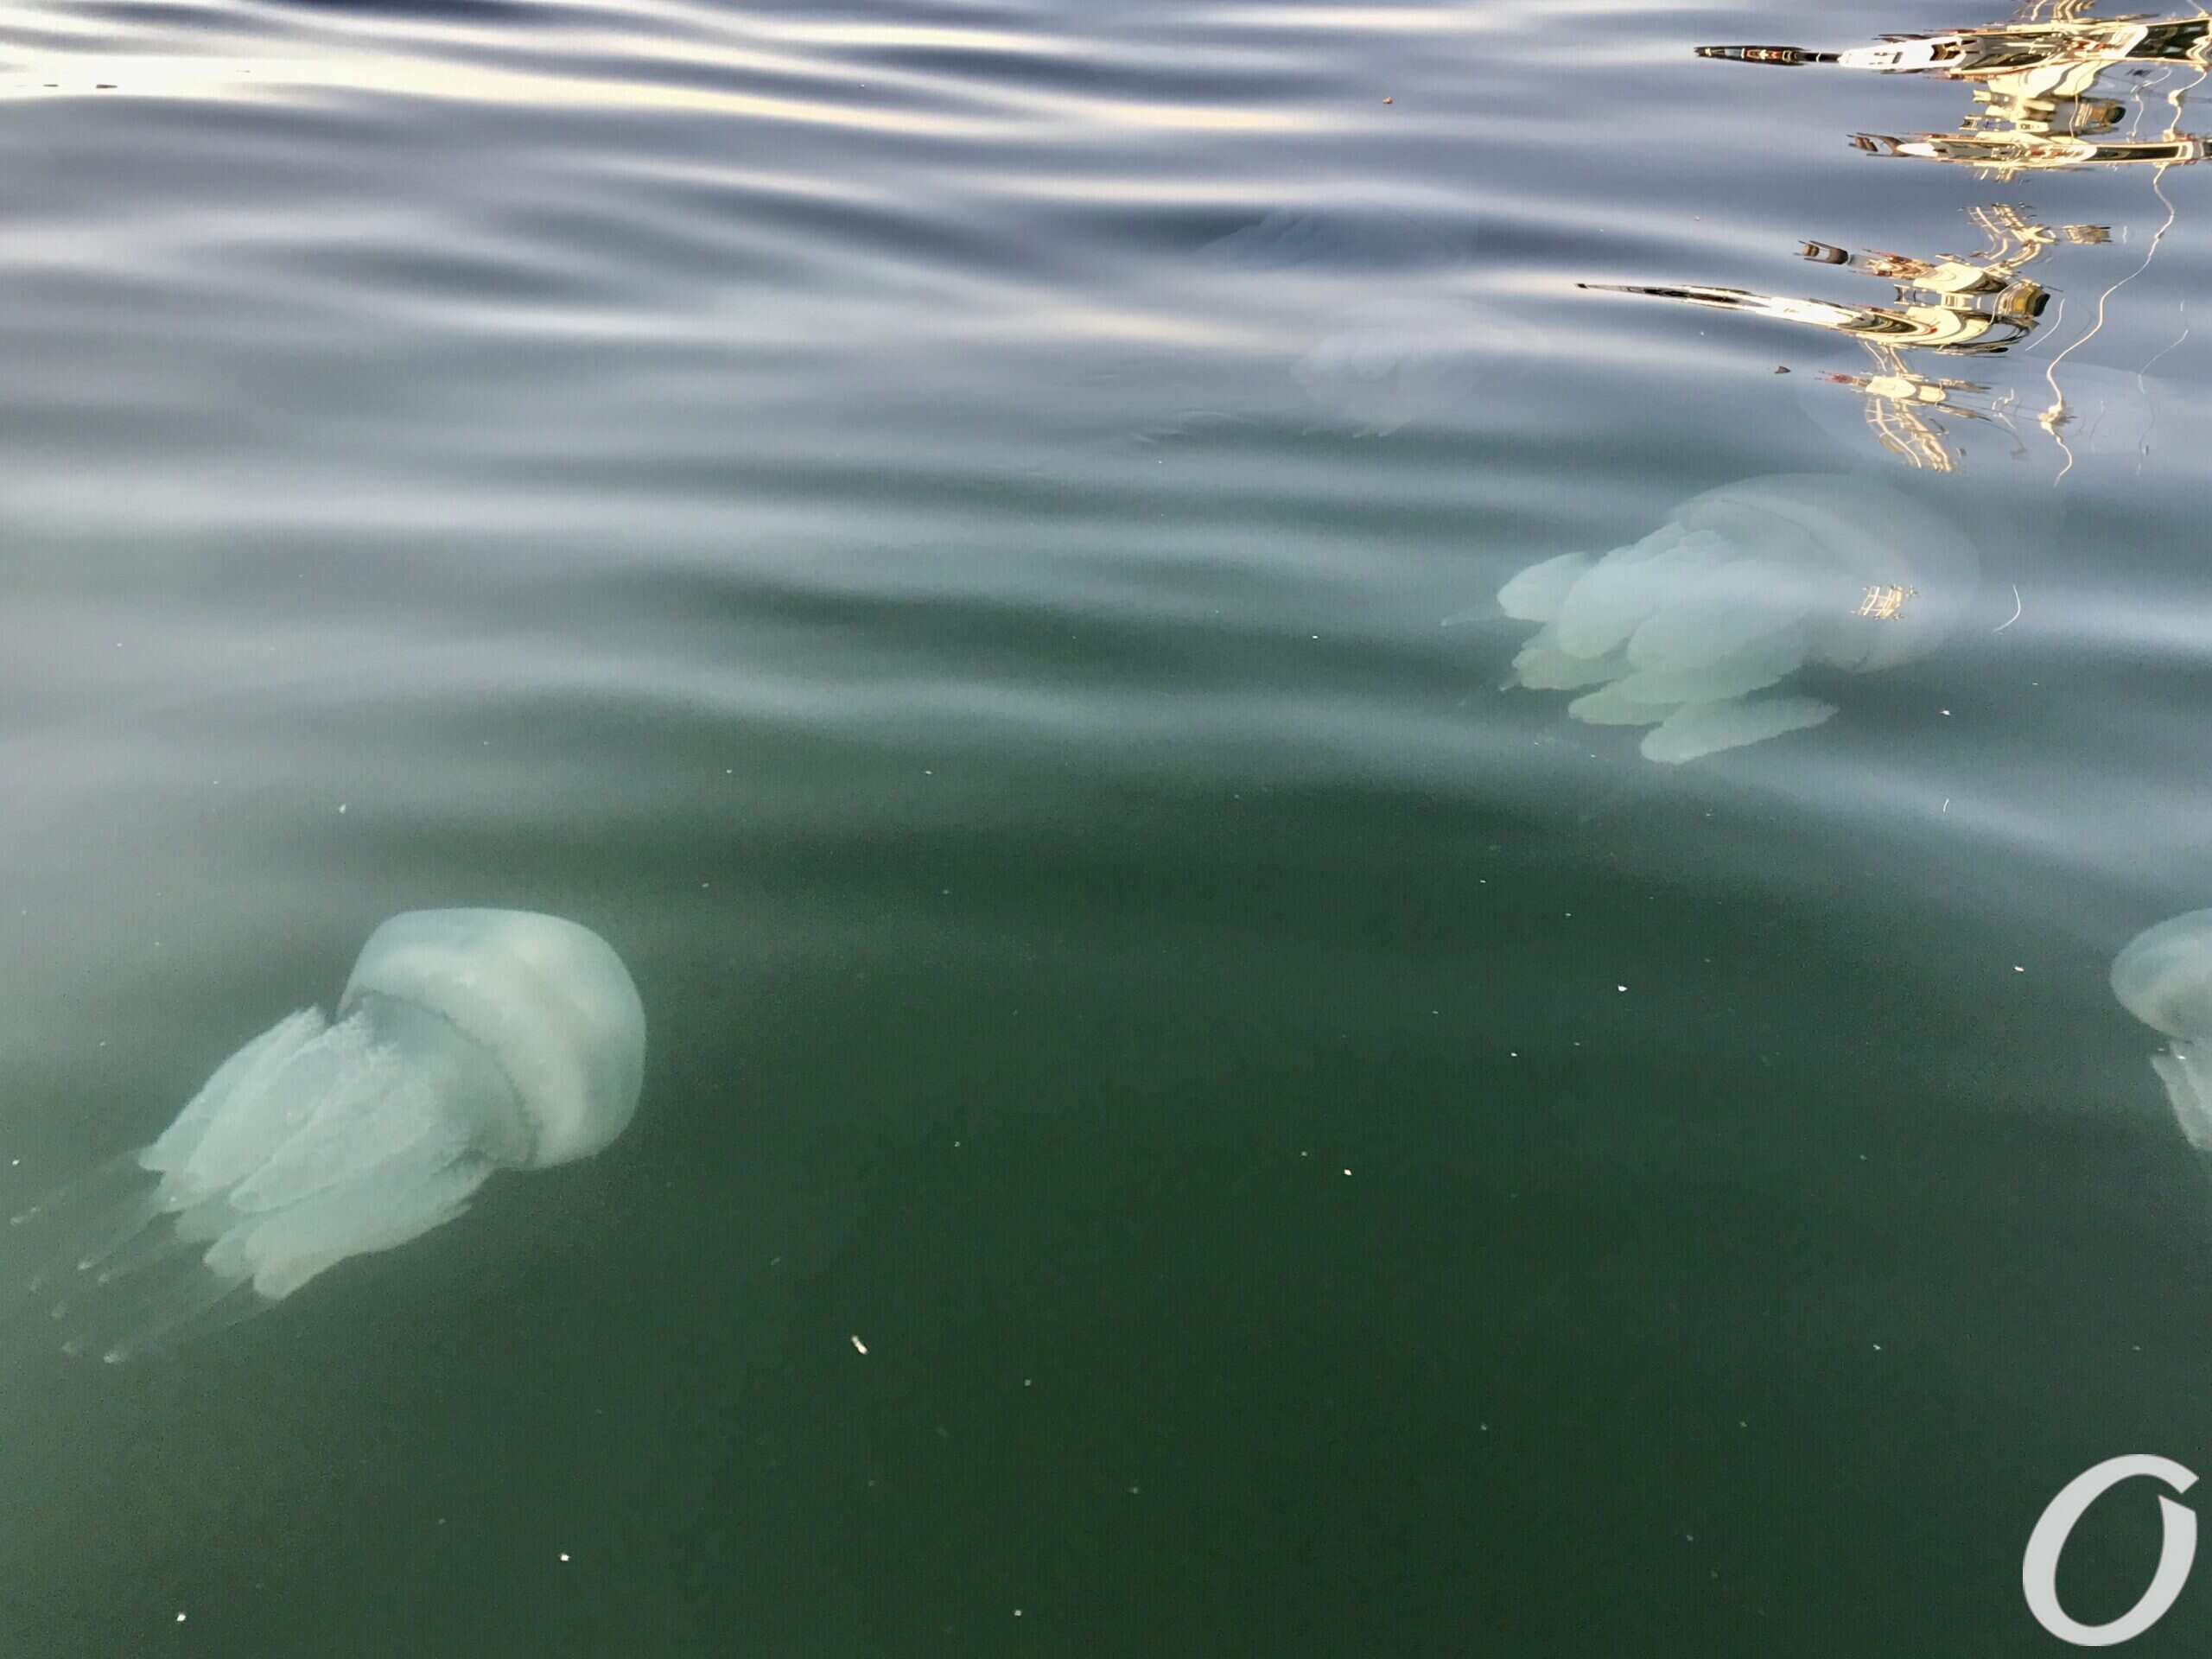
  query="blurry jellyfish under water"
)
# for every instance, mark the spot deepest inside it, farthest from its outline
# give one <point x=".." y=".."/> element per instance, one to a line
<point x="1740" y="588"/>
<point x="467" y="1041"/>
<point x="1390" y="336"/>
<point x="2163" y="977"/>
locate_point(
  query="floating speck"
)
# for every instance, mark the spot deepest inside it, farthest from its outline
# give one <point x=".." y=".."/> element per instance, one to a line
<point x="859" y="1347"/>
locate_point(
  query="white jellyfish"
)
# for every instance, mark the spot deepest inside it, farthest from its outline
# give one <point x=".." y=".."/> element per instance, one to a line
<point x="467" y="1041"/>
<point x="1391" y="336"/>
<point x="1741" y="588"/>
<point x="2163" y="977"/>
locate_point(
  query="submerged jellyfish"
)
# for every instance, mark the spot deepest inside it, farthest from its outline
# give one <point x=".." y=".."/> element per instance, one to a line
<point x="2163" y="977"/>
<point x="1741" y="588"/>
<point x="1388" y="333"/>
<point x="467" y="1041"/>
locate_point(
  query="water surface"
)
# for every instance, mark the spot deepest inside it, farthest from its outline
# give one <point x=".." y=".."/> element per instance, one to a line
<point x="928" y="527"/>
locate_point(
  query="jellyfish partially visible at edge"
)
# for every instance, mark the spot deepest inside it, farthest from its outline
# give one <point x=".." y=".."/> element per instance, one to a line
<point x="2163" y="977"/>
<point x="1740" y="588"/>
<point x="466" y="1042"/>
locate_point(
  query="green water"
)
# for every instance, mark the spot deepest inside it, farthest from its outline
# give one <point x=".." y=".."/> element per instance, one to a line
<point x="1180" y="1118"/>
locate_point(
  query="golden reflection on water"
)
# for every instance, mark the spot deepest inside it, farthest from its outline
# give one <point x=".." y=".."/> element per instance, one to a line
<point x="2053" y="89"/>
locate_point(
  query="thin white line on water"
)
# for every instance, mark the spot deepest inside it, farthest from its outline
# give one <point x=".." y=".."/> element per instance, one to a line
<point x="2017" y="608"/>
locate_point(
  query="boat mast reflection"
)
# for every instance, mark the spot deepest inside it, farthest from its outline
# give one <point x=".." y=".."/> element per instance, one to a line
<point x="2053" y="90"/>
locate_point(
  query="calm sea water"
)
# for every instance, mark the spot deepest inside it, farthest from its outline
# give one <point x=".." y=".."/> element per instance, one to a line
<point x="1181" y="1117"/>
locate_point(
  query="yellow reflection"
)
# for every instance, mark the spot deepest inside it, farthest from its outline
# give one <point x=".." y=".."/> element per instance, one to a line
<point x="2044" y="88"/>
<point x="1885" y="604"/>
<point x="2044" y="98"/>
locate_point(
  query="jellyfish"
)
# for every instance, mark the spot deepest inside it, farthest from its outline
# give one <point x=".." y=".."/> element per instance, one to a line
<point x="1740" y="588"/>
<point x="2163" y="977"/>
<point x="466" y="1042"/>
<point x="1374" y="305"/>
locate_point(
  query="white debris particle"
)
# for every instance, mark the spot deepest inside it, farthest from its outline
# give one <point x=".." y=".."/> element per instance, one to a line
<point x="859" y="1347"/>
<point x="2018" y="968"/>
<point x="1347" y="1172"/>
<point x="179" y="1618"/>
<point x="1620" y="987"/>
<point x="564" y="1554"/>
<point x="341" y="806"/>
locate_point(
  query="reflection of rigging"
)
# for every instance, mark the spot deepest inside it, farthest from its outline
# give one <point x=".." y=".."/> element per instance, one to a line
<point x="2035" y="88"/>
<point x="1970" y="304"/>
<point x="2053" y="89"/>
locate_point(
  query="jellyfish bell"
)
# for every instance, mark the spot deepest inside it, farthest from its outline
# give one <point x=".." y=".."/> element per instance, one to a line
<point x="2163" y="977"/>
<point x="466" y="1042"/>
<point x="1685" y="630"/>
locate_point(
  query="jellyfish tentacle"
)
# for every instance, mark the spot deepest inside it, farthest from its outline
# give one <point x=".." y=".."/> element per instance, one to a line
<point x="215" y="1304"/>
<point x="2186" y="1070"/>
<point x="100" y="1316"/>
<point x="390" y="1205"/>
<point x="155" y="1243"/>
<point x="79" y="1227"/>
<point x="245" y="1074"/>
